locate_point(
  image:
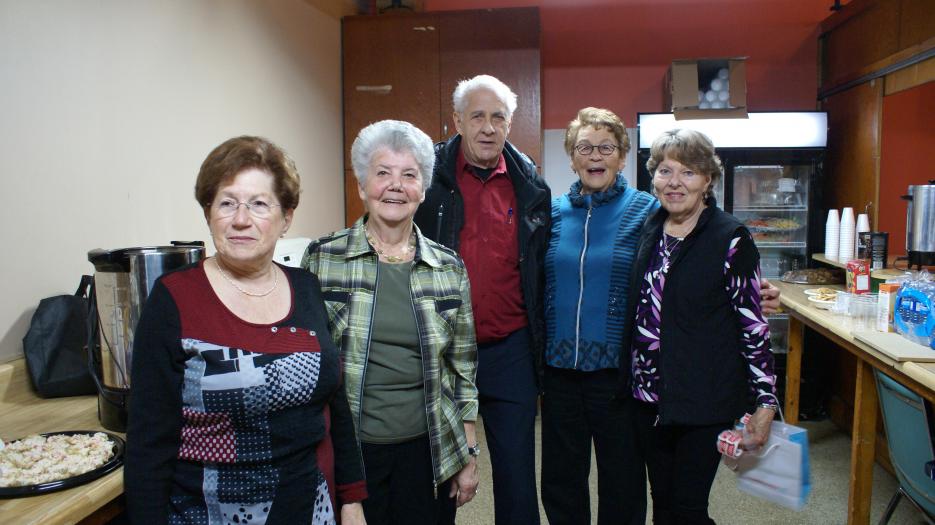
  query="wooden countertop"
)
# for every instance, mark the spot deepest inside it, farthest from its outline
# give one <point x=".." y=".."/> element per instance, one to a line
<point x="881" y="345"/>
<point x="22" y="413"/>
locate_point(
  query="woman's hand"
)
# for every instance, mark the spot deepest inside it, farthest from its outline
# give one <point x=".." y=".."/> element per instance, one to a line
<point x="769" y="297"/>
<point x="464" y="484"/>
<point x="352" y="514"/>
<point x="758" y="428"/>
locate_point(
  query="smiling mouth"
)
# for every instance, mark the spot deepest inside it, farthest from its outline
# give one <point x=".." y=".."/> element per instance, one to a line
<point x="596" y="171"/>
<point x="392" y="201"/>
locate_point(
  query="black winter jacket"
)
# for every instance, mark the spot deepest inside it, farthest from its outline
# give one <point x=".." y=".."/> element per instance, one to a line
<point x="441" y="216"/>
<point x="704" y="377"/>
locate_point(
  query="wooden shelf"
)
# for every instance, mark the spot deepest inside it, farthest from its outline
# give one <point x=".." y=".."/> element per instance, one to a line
<point x="882" y="274"/>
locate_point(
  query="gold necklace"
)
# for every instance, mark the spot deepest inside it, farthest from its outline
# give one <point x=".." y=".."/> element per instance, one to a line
<point x="409" y="248"/>
<point x="241" y="290"/>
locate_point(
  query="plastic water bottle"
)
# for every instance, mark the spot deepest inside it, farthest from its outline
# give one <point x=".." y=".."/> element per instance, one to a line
<point x="913" y="318"/>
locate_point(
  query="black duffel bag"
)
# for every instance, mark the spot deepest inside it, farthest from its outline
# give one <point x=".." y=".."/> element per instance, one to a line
<point x="55" y="345"/>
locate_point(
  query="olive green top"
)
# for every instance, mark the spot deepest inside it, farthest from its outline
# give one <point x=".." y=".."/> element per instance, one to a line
<point x="393" y="401"/>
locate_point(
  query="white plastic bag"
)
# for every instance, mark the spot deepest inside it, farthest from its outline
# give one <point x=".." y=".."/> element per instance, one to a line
<point x="779" y="472"/>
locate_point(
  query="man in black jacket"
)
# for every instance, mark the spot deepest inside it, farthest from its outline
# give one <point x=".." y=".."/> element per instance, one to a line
<point x="488" y="202"/>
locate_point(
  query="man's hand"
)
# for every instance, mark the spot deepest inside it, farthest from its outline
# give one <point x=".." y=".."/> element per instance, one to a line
<point x="769" y="297"/>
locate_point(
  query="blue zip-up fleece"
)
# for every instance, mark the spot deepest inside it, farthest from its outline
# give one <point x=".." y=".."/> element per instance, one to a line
<point x="587" y="271"/>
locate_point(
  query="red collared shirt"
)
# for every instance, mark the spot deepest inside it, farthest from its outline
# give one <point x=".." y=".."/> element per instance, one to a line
<point x="489" y="245"/>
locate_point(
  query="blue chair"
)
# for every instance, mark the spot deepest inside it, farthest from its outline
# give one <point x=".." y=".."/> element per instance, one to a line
<point x="909" y="438"/>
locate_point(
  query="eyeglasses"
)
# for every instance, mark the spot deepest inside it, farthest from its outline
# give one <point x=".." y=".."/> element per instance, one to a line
<point x="258" y="208"/>
<point x="603" y="149"/>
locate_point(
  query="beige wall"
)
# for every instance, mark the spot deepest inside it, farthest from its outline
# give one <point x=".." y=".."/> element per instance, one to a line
<point x="108" y="107"/>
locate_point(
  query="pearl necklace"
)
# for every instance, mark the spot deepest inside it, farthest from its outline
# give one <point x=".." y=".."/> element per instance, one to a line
<point x="241" y="290"/>
<point x="406" y="251"/>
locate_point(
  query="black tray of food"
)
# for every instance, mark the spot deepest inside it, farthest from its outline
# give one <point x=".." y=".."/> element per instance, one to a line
<point x="115" y="461"/>
<point x="814" y="276"/>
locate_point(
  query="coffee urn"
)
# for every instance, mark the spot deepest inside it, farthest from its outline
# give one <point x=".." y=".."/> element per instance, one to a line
<point x="122" y="281"/>
<point x="920" y="224"/>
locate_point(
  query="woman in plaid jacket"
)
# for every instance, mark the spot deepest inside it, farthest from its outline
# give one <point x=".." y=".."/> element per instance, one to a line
<point x="399" y="309"/>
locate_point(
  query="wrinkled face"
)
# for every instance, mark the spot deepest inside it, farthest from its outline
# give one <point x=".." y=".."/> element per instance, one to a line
<point x="679" y="189"/>
<point x="393" y="189"/>
<point x="243" y="239"/>
<point x="483" y="127"/>
<point x="597" y="171"/>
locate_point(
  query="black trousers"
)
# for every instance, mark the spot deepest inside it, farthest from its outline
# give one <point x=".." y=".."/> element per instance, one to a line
<point x="682" y="461"/>
<point x="506" y="382"/>
<point x="579" y="408"/>
<point x="399" y="486"/>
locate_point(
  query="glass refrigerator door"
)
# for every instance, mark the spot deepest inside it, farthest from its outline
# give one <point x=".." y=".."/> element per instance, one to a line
<point x="772" y="201"/>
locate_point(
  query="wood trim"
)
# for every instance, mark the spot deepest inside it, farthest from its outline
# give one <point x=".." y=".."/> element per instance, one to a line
<point x="909" y="77"/>
<point x="898" y="61"/>
<point x="847" y="12"/>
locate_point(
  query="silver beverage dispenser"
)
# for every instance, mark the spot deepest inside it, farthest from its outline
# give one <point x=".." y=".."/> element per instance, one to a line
<point x="122" y="281"/>
<point x="920" y="224"/>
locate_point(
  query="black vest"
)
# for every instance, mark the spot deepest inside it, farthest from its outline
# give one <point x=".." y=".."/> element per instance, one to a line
<point x="703" y="371"/>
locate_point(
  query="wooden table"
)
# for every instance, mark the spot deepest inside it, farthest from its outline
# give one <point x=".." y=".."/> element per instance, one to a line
<point x="23" y="413"/>
<point x="918" y="377"/>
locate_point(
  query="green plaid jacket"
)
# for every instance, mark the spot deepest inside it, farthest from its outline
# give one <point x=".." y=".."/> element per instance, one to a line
<point x="347" y="266"/>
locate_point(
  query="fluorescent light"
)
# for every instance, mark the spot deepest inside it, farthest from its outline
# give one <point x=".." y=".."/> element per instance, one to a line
<point x="760" y="130"/>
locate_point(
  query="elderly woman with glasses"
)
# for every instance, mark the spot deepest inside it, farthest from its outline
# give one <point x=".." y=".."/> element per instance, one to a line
<point x="399" y="307"/>
<point x="238" y="414"/>
<point x="595" y="228"/>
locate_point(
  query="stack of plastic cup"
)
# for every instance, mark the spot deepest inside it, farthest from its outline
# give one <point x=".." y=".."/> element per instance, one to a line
<point x="832" y="233"/>
<point x="863" y="225"/>
<point x="847" y="236"/>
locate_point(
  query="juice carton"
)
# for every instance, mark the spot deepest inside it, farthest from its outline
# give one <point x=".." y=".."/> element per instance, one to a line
<point x="886" y="304"/>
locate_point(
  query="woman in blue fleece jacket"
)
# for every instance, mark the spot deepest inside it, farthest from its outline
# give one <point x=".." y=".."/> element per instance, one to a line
<point x="595" y="232"/>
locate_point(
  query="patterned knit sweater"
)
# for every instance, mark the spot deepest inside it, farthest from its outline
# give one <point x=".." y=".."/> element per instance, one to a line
<point x="235" y="422"/>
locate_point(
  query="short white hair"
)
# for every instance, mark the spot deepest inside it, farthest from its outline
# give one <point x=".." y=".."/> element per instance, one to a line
<point x="501" y="90"/>
<point x="397" y="136"/>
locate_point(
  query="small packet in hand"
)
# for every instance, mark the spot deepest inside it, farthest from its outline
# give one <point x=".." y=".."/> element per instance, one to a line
<point x="729" y="442"/>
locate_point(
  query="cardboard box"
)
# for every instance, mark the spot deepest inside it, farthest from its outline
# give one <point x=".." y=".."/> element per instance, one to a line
<point x="685" y="78"/>
<point x="858" y="276"/>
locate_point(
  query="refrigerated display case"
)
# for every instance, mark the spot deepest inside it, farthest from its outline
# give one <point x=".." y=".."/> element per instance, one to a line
<point x="772" y="162"/>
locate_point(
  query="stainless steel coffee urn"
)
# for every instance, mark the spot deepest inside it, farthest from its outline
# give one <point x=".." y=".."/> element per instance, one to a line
<point x="920" y="224"/>
<point x="122" y="281"/>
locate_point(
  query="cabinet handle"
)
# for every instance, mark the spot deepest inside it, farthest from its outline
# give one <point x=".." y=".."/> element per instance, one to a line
<point x="445" y="129"/>
<point x="384" y="89"/>
<point x="423" y="28"/>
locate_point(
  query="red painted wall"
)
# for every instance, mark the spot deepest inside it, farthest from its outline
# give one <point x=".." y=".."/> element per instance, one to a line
<point x="614" y="54"/>
<point x="908" y="138"/>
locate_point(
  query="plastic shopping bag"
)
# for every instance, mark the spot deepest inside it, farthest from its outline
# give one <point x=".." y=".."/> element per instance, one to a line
<point x="779" y="471"/>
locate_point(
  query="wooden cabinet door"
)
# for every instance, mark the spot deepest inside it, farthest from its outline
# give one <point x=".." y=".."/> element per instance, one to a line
<point x="390" y="72"/>
<point x="390" y="68"/>
<point x="500" y="42"/>
<point x="406" y="67"/>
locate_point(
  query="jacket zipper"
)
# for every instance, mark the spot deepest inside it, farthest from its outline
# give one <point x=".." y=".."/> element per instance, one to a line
<point x="425" y="392"/>
<point x="363" y="375"/>
<point x="584" y="251"/>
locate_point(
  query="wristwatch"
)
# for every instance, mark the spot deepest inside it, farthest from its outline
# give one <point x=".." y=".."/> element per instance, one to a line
<point x="474" y="450"/>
